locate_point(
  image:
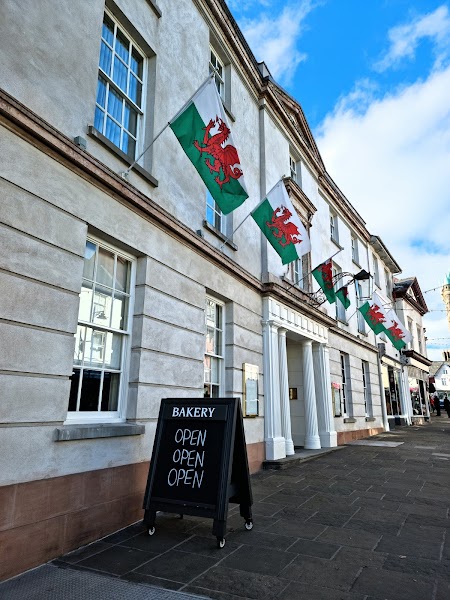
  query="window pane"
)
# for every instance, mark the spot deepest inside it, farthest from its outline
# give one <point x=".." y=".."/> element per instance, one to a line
<point x="115" y="105"/>
<point x="120" y="311"/>
<point x="215" y="371"/>
<point x="112" y="132"/>
<point x="101" y="92"/>
<point x="74" y="383"/>
<point x="101" y="314"/>
<point x="122" y="47"/>
<point x="89" y="261"/>
<point x="105" y="58"/>
<point x="94" y="347"/>
<point x="105" y="267"/>
<point x="135" y="91"/>
<point x="99" y="119"/>
<point x="80" y="336"/>
<point x="84" y="313"/>
<point x="90" y="390"/>
<point x="210" y="341"/>
<point x="110" y="392"/>
<point x="108" y="30"/>
<point x="130" y="118"/>
<point x="120" y="74"/>
<point x="122" y="274"/>
<point x="218" y="316"/>
<point x="136" y="63"/>
<point x="210" y="215"/>
<point x="113" y="350"/>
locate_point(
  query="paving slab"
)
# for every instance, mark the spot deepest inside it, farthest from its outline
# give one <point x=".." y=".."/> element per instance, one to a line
<point x="365" y="523"/>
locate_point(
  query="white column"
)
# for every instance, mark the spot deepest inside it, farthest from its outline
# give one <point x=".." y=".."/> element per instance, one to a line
<point x="312" y="439"/>
<point x="284" y="393"/>
<point x="275" y="445"/>
<point x="322" y="380"/>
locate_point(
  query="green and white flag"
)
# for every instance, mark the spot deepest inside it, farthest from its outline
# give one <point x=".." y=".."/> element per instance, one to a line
<point x="203" y="132"/>
<point x="280" y="223"/>
<point x="342" y="294"/>
<point x="323" y="274"/>
<point x="374" y="314"/>
<point x="396" y="331"/>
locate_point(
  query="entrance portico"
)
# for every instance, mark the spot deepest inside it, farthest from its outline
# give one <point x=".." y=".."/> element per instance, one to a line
<point x="295" y="351"/>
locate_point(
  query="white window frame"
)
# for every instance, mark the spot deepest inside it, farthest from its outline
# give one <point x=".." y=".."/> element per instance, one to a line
<point x="355" y="249"/>
<point x="214" y="216"/>
<point x="410" y="329"/>
<point x="366" y="388"/>
<point x="298" y="272"/>
<point x="119" y="415"/>
<point x="419" y="339"/>
<point x="334" y="231"/>
<point x="444" y="381"/>
<point x="220" y="357"/>
<point x="111" y="85"/>
<point x="346" y="389"/>
<point x="217" y="66"/>
<point x="387" y="276"/>
<point x="376" y="270"/>
<point x="341" y="312"/>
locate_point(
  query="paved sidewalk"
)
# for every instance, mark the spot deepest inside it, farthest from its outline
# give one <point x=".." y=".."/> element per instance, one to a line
<point x="370" y="522"/>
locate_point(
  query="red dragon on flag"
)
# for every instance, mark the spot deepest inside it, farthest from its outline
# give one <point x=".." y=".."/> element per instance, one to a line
<point x="396" y="332"/>
<point x="375" y="315"/>
<point x="327" y="274"/>
<point x="281" y="225"/>
<point x="225" y="157"/>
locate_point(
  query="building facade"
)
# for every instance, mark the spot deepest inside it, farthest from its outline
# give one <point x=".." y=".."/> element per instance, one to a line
<point x="123" y="283"/>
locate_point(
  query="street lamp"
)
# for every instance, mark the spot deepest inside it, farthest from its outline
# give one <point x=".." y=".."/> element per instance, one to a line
<point x="363" y="284"/>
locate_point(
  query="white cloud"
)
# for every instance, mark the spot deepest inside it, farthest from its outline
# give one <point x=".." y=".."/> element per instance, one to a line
<point x="273" y="38"/>
<point x="391" y="158"/>
<point x="404" y="39"/>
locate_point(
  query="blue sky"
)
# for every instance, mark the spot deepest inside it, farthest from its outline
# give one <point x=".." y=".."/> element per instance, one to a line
<point x="373" y="78"/>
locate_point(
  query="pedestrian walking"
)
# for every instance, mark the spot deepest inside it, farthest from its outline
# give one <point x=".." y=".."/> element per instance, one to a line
<point x="432" y="405"/>
<point x="437" y="404"/>
<point x="447" y="405"/>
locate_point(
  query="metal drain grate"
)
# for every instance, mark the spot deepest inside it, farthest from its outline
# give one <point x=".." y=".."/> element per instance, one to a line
<point x="54" y="583"/>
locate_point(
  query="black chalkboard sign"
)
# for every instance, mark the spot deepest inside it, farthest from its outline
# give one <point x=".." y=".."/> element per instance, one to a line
<point x="199" y="463"/>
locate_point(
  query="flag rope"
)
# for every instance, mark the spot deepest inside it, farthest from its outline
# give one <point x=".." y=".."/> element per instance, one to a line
<point x="124" y="174"/>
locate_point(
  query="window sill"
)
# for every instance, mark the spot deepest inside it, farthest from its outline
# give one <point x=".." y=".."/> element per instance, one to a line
<point x="220" y="235"/>
<point x="68" y="433"/>
<point x="126" y="159"/>
<point x="337" y="243"/>
<point x="228" y="111"/>
<point x="344" y="322"/>
<point x="370" y="419"/>
<point x="349" y="420"/>
<point x="355" y="262"/>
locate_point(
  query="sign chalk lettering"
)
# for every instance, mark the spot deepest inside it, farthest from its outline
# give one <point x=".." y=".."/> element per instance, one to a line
<point x="199" y="463"/>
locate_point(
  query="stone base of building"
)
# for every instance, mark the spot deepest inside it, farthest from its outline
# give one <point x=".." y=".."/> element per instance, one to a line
<point x="343" y="437"/>
<point x="41" y="520"/>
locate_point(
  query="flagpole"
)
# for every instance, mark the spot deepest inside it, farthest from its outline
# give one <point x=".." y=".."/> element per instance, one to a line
<point x="241" y="223"/>
<point x="124" y="174"/>
<point x="309" y="273"/>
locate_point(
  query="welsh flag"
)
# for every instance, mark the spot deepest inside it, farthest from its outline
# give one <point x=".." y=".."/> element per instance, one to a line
<point x="280" y="223"/>
<point x="396" y="331"/>
<point x="342" y="294"/>
<point x="323" y="274"/>
<point x="374" y="314"/>
<point x="203" y="132"/>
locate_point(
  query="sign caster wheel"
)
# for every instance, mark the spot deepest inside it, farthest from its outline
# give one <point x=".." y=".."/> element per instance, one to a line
<point x="248" y="525"/>
<point x="220" y="542"/>
<point x="151" y="531"/>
